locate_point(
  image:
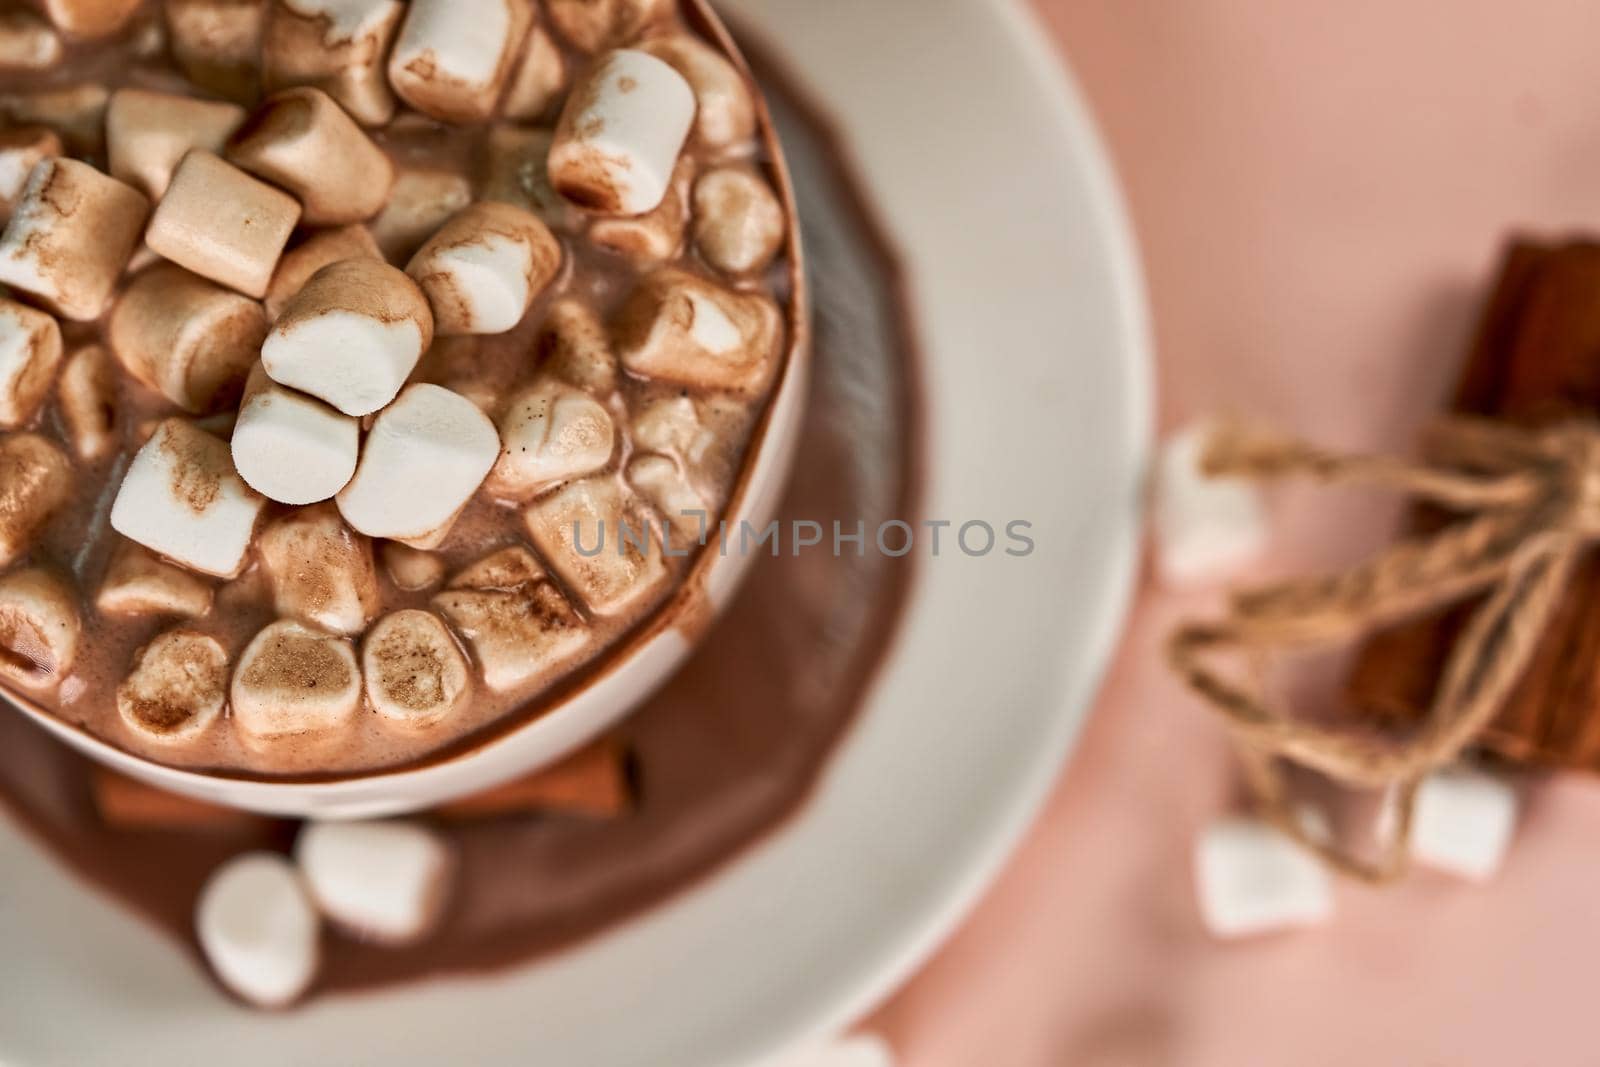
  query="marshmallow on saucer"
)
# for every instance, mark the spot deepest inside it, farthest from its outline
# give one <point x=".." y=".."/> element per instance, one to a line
<point x="302" y="141"/>
<point x="484" y="268"/>
<point x="70" y="237"/>
<point x="182" y="498"/>
<point x="137" y="583"/>
<point x="453" y="57"/>
<point x="1463" y="823"/>
<point x="624" y="125"/>
<point x="290" y="447"/>
<point x="337" y="46"/>
<point x="292" y="681"/>
<point x="550" y="433"/>
<point x="147" y="133"/>
<point x="383" y="881"/>
<point x="30" y="351"/>
<point x="35" y="480"/>
<point x="176" y="689"/>
<point x="1206" y="529"/>
<point x="39" y="628"/>
<point x="416" y="675"/>
<point x="259" y="930"/>
<point x="322" y="574"/>
<point x="1253" y="879"/>
<point x="425" y="457"/>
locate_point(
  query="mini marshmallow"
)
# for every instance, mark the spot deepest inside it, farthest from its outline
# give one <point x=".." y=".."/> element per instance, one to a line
<point x="30" y="352"/>
<point x="337" y="46"/>
<point x="659" y="481"/>
<point x="176" y="689"/>
<point x="573" y="346"/>
<point x="416" y="675"/>
<point x="189" y="339"/>
<point x="90" y="18"/>
<point x="739" y="224"/>
<point x="39" y="628"/>
<point x="421" y="201"/>
<point x="592" y="25"/>
<point x="293" y="448"/>
<point x="137" y="583"/>
<point x="620" y="135"/>
<point x="454" y="57"/>
<point x="1206" y="529"/>
<point x="302" y="141"/>
<point x="522" y="631"/>
<point x="147" y="133"/>
<point x="515" y="170"/>
<point x="70" y="237"/>
<point x="424" y="458"/>
<point x="35" y="480"/>
<point x="221" y="223"/>
<point x="548" y="434"/>
<point x="672" y="427"/>
<point x="725" y="103"/>
<point x="21" y="149"/>
<point x="602" y="540"/>
<point x="1463" y="823"/>
<point x="485" y="267"/>
<point x="351" y="336"/>
<point x="86" y="393"/>
<point x="862" y="1050"/>
<point x="322" y="249"/>
<point x="217" y="44"/>
<point x="322" y="573"/>
<point x="540" y="77"/>
<point x="293" y="681"/>
<point x="458" y="364"/>
<point x="680" y="328"/>
<point x="1253" y="879"/>
<point x="380" y="881"/>
<point x="411" y="569"/>
<point x="656" y="236"/>
<point x="27" y="42"/>
<point x="76" y="112"/>
<point x="259" y="930"/>
<point x="182" y="498"/>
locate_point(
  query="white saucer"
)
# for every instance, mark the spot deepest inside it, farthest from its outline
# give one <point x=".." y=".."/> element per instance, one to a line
<point x="991" y="177"/>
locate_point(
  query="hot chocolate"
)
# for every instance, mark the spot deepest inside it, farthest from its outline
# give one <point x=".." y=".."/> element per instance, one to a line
<point x="366" y="376"/>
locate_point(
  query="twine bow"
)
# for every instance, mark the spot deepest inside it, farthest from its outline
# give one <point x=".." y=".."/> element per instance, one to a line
<point x="1530" y="506"/>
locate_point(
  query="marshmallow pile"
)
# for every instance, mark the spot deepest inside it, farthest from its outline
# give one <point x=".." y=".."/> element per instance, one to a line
<point x="259" y="916"/>
<point x="366" y="320"/>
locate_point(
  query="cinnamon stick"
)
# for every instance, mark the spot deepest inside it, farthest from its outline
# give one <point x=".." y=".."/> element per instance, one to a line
<point x="1535" y="359"/>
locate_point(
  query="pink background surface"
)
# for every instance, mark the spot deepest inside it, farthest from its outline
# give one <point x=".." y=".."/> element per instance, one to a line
<point x="1320" y="192"/>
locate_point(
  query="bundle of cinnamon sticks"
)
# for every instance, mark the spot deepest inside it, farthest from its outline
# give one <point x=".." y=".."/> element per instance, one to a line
<point x="1535" y="359"/>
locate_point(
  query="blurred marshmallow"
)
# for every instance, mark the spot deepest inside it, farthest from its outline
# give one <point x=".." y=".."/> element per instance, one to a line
<point x="176" y="689"/>
<point x="90" y="18"/>
<point x="322" y="249"/>
<point x="592" y="25"/>
<point x="27" y="42"/>
<point x="217" y="44"/>
<point x="522" y="631"/>
<point x="416" y="675"/>
<point x="221" y="223"/>
<point x="454" y="57"/>
<point x="485" y="267"/>
<point x="1206" y="529"/>
<point x="574" y="346"/>
<point x="137" y="583"/>
<point x="30" y="352"/>
<point x="672" y="427"/>
<point x="515" y="170"/>
<point x="425" y="457"/>
<point x="182" y="498"/>
<point x="21" y="149"/>
<point x="190" y="339"/>
<point x="290" y="447"/>
<point x="39" y="628"/>
<point x="657" y="235"/>
<point x="1463" y="823"/>
<point x="1254" y="879"/>
<point x="292" y="681"/>
<point x="725" y="103"/>
<point x="602" y="540"/>
<point x="739" y="224"/>
<point x="70" y="237"/>
<point x="660" y="481"/>
<point x="147" y="133"/>
<point x="548" y="434"/>
<point x="322" y="573"/>
<point x="302" y="141"/>
<point x="540" y="77"/>
<point x="411" y="569"/>
<point x="35" y="480"/>
<point x="258" y="929"/>
<point x="380" y="881"/>
<point x="337" y="46"/>
<point x="76" y="112"/>
<point x="678" y="327"/>
<point x="422" y="200"/>
<point x="620" y="135"/>
<point x="86" y="393"/>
